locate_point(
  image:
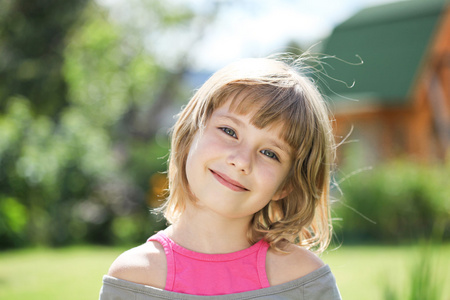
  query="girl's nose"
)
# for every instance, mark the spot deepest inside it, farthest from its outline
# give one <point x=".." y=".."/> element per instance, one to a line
<point x="241" y="158"/>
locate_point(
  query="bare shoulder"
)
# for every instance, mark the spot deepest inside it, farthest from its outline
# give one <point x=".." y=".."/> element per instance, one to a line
<point x="281" y="267"/>
<point x="145" y="264"/>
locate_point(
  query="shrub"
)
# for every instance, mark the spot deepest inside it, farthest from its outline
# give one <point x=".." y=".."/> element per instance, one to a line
<point x="396" y="201"/>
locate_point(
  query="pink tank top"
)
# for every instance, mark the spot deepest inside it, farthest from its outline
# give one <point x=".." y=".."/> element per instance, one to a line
<point x="197" y="273"/>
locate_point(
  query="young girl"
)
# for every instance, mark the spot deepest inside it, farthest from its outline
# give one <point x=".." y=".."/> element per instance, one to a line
<point x="249" y="172"/>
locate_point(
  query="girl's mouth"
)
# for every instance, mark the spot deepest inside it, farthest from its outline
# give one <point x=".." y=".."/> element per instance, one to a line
<point x="228" y="182"/>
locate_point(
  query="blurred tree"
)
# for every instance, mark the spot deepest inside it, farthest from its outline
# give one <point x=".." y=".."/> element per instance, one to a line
<point x="33" y="35"/>
<point x="80" y="131"/>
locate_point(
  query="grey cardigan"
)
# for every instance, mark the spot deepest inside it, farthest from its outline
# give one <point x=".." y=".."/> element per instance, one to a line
<point x="318" y="285"/>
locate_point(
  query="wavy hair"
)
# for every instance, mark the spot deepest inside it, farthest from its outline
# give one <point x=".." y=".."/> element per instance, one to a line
<point x="277" y="92"/>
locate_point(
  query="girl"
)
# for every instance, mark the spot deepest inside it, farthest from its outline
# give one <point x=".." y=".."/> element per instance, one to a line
<point x="249" y="172"/>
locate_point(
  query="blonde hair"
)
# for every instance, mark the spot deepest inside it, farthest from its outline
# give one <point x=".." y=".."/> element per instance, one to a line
<point x="277" y="94"/>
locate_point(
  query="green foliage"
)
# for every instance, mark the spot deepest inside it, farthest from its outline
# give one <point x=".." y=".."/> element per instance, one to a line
<point x="45" y="167"/>
<point x="394" y="202"/>
<point x="425" y="282"/>
<point x="65" y="177"/>
<point x="85" y="100"/>
<point x="12" y="221"/>
<point x="105" y="74"/>
<point x="33" y="35"/>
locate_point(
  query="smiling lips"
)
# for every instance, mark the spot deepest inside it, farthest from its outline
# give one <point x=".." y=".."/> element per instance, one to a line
<point x="228" y="182"/>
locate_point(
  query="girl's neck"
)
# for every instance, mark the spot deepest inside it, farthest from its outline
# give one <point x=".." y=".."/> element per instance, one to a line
<point x="206" y="232"/>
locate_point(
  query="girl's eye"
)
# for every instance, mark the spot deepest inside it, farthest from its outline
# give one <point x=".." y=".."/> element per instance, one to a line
<point x="270" y="154"/>
<point x="229" y="131"/>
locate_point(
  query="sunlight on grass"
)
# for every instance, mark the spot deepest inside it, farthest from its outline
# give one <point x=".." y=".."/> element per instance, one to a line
<point x="362" y="272"/>
<point x="72" y="273"/>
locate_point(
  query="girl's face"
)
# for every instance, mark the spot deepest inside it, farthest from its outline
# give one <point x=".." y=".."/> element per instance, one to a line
<point x="234" y="168"/>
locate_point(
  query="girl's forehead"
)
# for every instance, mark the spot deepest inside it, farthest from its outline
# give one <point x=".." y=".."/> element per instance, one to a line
<point x="248" y="109"/>
<point x="253" y="107"/>
<point x="227" y="109"/>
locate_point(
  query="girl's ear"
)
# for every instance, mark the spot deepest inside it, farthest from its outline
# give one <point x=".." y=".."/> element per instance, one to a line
<point x="283" y="193"/>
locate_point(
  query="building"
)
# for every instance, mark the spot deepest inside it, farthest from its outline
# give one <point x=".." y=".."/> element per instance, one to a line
<point x="400" y="102"/>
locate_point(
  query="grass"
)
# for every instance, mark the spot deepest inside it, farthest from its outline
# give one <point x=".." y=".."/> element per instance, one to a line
<point x="368" y="272"/>
<point x="69" y="273"/>
<point x="362" y="272"/>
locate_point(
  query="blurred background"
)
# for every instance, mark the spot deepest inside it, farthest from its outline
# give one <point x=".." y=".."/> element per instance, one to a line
<point x="89" y="90"/>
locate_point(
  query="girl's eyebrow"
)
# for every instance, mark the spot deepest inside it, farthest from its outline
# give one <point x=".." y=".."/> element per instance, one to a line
<point x="282" y="146"/>
<point x="276" y="142"/>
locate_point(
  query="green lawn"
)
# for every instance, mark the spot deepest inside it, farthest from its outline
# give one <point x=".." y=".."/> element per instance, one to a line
<point x="362" y="272"/>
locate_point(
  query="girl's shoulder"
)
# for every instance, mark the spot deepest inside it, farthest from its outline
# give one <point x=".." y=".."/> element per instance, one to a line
<point x="285" y="267"/>
<point x="145" y="264"/>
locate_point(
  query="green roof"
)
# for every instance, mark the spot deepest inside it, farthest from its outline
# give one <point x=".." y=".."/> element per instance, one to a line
<point x="392" y="40"/>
